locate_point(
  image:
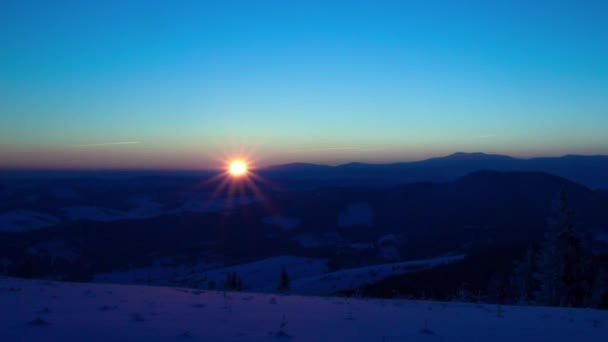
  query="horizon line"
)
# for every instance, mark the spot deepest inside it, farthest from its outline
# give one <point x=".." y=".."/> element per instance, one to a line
<point x="217" y="169"/>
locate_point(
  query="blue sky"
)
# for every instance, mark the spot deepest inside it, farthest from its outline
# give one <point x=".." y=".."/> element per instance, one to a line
<point x="181" y="84"/>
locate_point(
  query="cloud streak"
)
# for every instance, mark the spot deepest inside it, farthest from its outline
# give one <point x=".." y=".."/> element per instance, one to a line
<point x="485" y="136"/>
<point x="330" y="149"/>
<point x="113" y="143"/>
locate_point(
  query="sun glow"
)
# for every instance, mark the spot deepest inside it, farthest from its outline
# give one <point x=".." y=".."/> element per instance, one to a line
<point x="237" y="168"/>
<point x="237" y="182"/>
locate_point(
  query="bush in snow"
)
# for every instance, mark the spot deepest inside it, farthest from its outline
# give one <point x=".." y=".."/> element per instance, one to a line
<point x="426" y="330"/>
<point x="281" y="332"/>
<point x="233" y="282"/>
<point x="283" y="286"/>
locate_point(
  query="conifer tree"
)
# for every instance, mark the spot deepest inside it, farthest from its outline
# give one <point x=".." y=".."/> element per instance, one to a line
<point x="284" y="281"/>
<point x="599" y="291"/>
<point x="523" y="282"/>
<point x="562" y="263"/>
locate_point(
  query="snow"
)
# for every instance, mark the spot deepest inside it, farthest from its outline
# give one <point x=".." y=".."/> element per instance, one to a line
<point x="262" y="275"/>
<point x="307" y="275"/>
<point x="355" y="277"/>
<point x="144" y="207"/>
<point x="34" y="310"/>
<point x="284" y="222"/>
<point x="357" y="214"/>
<point x="25" y="220"/>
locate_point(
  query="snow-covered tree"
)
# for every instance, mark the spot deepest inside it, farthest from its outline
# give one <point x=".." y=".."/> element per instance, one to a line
<point x="523" y="283"/>
<point x="562" y="263"/>
<point x="599" y="290"/>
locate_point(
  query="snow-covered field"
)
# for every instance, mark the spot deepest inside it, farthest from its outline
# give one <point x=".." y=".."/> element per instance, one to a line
<point x="141" y="208"/>
<point x="307" y="275"/>
<point x="25" y="220"/>
<point x="33" y="310"/>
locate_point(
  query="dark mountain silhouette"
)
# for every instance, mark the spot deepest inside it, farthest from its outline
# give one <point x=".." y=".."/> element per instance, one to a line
<point x="478" y="156"/>
<point x="591" y="171"/>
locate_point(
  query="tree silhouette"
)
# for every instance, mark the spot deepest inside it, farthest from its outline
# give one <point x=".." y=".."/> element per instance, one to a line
<point x="284" y="281"/>
<point x="562" y="263"/>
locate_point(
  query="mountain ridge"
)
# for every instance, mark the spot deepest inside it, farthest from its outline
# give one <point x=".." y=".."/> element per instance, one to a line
<point x="591" y="171"/>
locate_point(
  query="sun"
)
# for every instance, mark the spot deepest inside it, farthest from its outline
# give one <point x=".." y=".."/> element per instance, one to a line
<point x="237" y="168"/>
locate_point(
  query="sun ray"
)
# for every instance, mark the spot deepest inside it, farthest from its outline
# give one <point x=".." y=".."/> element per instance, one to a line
<point x="236" y="183"/>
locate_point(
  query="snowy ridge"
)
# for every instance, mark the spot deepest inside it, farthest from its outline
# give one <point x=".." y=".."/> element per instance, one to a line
<point x="352" y="278"/>
<point x="307" y="275"/>
<point x="261" y="275"/>
<point x="35" y="310"/>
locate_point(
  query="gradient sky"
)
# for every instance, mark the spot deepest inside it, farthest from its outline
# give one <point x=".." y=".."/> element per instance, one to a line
<point x="179" y="84"/>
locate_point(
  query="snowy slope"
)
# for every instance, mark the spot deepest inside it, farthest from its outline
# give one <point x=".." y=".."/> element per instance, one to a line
<point x="307" y="275"/>
<point x="48" y="311"/>
<point x="352" y="278"/>
<point x="261" y="275"/>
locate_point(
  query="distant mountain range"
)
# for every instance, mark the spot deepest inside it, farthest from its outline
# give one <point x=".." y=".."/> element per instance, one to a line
<point x="591" y="171"/>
